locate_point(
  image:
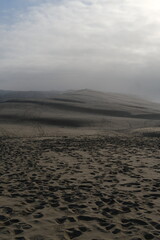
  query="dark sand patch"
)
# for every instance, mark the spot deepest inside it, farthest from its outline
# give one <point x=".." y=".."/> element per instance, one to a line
<point x="63" y="122"/>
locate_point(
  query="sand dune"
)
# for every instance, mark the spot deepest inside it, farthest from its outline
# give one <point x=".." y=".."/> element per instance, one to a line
<point x="80" y="165"/>
<point x="95" y="111"/>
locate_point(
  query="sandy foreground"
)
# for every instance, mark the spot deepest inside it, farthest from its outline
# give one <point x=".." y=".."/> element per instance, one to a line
<point x="80" y="187"/>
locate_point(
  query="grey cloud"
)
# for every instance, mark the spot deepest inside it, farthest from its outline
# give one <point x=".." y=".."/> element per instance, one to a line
<point x="100" y="44"/>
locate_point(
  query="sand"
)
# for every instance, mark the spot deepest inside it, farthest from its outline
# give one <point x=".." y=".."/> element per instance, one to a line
<point x="80" y="187"/>
<point x="76" y="111"/>
<point x="80" y="165"/>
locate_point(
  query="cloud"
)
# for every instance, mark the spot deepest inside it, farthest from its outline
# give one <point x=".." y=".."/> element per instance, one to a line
<point x="89" y="39"/>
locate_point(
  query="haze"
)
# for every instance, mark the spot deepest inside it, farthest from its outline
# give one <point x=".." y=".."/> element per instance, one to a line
<point x="107" y="45"/>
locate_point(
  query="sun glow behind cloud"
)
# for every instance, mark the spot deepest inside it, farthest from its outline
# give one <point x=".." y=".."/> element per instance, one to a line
<point x="102" y="38"/>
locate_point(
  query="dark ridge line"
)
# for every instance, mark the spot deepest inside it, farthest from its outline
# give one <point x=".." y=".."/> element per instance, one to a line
<point x="131" y="106"/>
<point x="69" y="107"/>
<point x="45" y="121"/>
<point x="67" y="100"/>
<point x="150" y="116"/>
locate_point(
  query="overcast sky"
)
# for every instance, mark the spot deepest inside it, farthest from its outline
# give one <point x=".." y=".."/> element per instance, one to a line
<point x="108" y="45"/>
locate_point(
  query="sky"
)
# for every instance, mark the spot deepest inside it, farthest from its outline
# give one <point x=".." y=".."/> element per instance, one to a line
<point x="105" y="45"/>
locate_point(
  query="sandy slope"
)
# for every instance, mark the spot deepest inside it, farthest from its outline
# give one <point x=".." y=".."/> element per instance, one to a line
<point x="76" y="111"/>
<point x="84" y="188"/>
<point x="81" y="165"/>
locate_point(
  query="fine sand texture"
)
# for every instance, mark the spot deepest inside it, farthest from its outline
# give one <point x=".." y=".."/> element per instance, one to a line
<point x="84" y="188"/>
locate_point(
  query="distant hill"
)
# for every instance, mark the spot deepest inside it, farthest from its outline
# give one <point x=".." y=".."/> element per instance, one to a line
<point x="46" y="113"/>
<point x="27" y="94"/>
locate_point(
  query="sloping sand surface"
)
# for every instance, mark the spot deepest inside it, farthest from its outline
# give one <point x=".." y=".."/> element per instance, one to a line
<point x="84" y="188"/>
<point x="85" y="110"/>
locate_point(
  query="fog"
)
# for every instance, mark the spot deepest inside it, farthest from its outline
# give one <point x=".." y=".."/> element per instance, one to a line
<point x="71" y="44"/>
